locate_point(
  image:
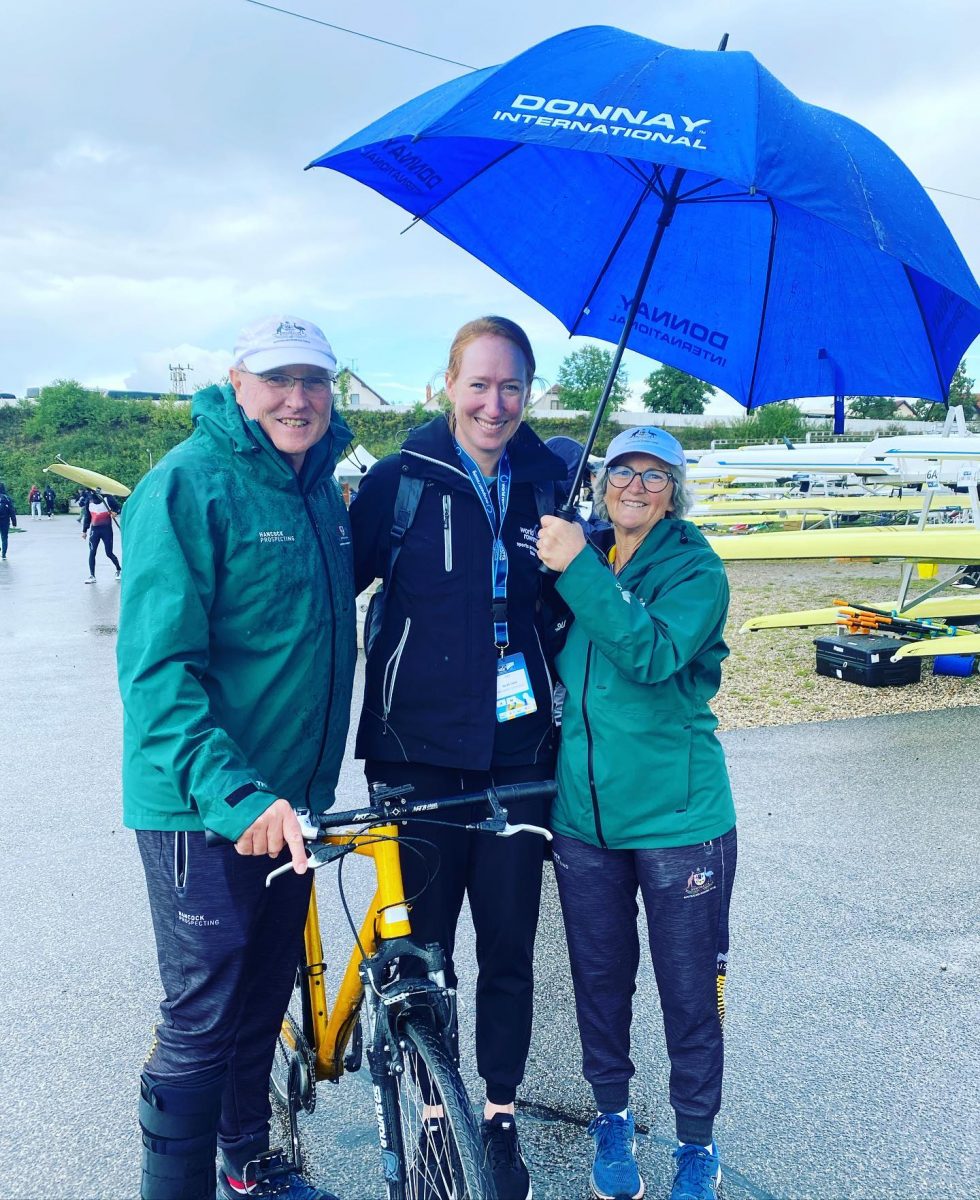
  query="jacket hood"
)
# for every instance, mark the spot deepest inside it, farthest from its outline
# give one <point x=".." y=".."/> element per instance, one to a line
<point x="530" y="459"/>
<point x="215" y="411"/>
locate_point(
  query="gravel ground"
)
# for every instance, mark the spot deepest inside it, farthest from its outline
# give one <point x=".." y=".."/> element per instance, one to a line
<point x="771" y="679"/>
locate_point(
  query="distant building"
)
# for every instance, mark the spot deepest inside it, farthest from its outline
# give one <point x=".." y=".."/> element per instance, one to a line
<point x="363" y="397"/>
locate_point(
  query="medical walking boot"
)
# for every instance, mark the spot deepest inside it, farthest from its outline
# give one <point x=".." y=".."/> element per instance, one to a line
<point x="267" y="1175"/>
<point x="615" y="1174"/>
<point x="179" y="1126"/>
<point x="698" y="1174"/>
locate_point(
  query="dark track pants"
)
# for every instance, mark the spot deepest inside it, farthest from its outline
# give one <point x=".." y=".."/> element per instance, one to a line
<point x="103" y="534"/>
<point x="228" y="948"/>
<point x="4" y="532"/>
<point x="502" y="879"/>
<point x="686" y="893"/>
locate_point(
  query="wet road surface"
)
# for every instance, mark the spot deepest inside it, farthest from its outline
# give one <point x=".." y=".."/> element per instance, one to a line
<point x="853" y="995"/>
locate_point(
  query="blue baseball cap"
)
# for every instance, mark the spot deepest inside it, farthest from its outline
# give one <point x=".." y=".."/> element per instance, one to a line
<point x="646" y="439"/>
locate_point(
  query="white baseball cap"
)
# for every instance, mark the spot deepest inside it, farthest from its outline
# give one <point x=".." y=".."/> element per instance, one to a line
<point x="646" y="439"/>
<point x="277" y="342"/>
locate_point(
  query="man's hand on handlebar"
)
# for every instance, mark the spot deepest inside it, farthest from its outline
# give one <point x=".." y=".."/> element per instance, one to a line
<point x="269" y="833"/>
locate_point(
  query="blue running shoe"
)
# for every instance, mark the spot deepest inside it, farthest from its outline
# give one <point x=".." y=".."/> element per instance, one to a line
<point x="615" y="1175"/>
<point x="698" y="1173"/>
<point x="271" y="1174"/>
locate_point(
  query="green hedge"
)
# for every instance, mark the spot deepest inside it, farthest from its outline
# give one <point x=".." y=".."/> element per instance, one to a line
<point x="121" y="437"/>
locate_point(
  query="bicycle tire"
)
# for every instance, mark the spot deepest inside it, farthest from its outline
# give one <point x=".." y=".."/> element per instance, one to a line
<point x="452" y="1165"/>
<point x="295" y="1041"/>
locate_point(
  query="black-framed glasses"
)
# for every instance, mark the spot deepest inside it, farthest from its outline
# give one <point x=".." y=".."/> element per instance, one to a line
<point x="652" y="480"/>
<point x="318" y="386"/>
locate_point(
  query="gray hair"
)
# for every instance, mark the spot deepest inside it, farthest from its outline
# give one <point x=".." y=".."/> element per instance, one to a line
<point x="681" y="501"/>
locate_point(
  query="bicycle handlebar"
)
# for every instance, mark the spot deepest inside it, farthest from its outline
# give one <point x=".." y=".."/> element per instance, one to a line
<point x="393" y="805"/>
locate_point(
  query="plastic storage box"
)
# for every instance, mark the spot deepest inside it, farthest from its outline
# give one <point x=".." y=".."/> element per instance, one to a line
<point x="860" y="658"/>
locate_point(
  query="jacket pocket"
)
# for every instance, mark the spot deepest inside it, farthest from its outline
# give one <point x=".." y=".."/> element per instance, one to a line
<point x="391" y="671"/>
<point x="447" y="531"/>
<point x="181" y="862"/>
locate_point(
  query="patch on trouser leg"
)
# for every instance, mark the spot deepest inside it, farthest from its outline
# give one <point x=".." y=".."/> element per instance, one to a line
<point x="722" y="972"/>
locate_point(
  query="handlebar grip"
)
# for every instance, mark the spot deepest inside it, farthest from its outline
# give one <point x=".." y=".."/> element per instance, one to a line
<point x="513" y="793"/>
<point x="215" y="839"/>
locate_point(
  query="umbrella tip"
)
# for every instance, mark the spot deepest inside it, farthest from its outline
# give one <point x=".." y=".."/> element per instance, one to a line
<point x="723" y="44"/>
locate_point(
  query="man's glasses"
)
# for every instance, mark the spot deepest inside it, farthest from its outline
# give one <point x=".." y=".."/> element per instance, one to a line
<point x="652" y="480"/>
<point x="314" y="385"/>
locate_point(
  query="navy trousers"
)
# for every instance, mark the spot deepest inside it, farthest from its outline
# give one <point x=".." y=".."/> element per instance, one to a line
<point x="686" y="893"/>
<point x="501" y="877"/>
<point x="228" y="949"/>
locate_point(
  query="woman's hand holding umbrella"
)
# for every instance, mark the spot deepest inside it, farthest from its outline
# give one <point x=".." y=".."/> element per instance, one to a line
<point x="559" y="541"/>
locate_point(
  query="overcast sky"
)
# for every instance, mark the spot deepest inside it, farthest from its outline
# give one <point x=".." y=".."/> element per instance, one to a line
<point x="153" y="198"/>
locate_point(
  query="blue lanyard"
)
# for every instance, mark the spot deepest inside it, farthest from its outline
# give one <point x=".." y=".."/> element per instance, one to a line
<point x="499" y="565"/>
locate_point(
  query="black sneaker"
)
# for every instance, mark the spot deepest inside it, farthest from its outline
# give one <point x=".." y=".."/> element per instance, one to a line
<point x="270" y="1174"/>
<point x="502" y="1155"/>
<point x="969" y="580"/>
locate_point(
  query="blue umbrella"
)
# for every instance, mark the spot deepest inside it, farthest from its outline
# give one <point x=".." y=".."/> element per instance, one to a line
<point x="687" y="205"/>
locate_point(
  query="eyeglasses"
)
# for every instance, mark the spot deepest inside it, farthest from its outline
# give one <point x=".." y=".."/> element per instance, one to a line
<point x="652" y="480"/>
<point x="317" y="386"/>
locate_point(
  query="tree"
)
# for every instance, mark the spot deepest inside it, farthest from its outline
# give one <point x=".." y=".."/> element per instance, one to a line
<point x="343" y="388"/>
<point x="582" y="376"/>
<point x="672" y="391"/>
<point x="780" y="420"/>
<point x="961" y="388"/>
<point x="873" y="408"/>
<point x="960" y="392"/>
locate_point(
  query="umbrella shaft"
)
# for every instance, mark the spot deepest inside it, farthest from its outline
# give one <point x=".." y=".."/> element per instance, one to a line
<point x="666" y="216"/>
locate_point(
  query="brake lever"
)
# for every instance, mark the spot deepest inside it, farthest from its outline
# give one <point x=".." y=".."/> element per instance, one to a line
<point x="509" y="831"/>
<point x="310" y="829"/>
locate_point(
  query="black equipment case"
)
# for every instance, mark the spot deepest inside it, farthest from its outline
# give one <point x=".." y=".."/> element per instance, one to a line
<point x="860" y="658"/>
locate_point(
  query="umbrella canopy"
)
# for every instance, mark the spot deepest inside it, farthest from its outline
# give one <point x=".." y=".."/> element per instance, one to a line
<point x="796" y="256"/>
<point x="89" y="479"/>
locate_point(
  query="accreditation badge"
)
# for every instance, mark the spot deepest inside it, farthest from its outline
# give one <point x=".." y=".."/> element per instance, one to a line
<point x="514" y="695"/>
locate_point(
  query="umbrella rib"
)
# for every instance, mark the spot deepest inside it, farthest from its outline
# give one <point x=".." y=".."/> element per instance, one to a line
<point x="465" y="183"/>
<point x="773" y="228"/>
<point x="627" y="226"/>
<point x="925" y="327"/>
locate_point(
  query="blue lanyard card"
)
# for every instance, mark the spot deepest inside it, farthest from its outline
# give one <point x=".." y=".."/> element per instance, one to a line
<point x="514" y="695"/>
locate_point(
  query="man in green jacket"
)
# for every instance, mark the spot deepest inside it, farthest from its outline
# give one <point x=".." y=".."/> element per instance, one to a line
<point x="236" y="660"/>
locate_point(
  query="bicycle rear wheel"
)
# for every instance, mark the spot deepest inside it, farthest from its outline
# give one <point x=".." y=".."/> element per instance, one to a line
<point x="292" y="1080"/>
<point x="446" y="1162"/>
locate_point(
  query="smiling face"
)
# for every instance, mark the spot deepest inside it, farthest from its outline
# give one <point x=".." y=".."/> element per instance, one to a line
<point x="488" y="396"/>
<point x="294" y="420"/>
<point x="633" y="510"/>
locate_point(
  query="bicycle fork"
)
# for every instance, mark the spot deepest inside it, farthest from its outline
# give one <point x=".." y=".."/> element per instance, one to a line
<point x="384" y="1010"/>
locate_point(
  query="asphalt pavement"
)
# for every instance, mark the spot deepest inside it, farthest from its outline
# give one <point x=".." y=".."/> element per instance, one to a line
<point x="853" y="995"/>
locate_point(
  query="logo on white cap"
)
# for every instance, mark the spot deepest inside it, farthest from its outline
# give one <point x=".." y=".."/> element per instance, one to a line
<point x="280" y="341"/>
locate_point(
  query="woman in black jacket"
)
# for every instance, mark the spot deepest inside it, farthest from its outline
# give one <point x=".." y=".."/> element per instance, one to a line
<point x="463" y="618"/>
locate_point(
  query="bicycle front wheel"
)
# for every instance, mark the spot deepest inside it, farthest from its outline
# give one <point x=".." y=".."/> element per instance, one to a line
<point x="440" y="1156"/>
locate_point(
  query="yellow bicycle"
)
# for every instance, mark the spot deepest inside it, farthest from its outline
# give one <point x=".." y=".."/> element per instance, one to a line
<point x="429" y="1137"/>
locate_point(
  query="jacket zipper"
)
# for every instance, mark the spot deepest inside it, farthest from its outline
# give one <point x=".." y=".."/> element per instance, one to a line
<point x="391" y="667"/>
<point x="447" y="530"/>
<point x="333" y="647"/>
<point x="588" y="738"/>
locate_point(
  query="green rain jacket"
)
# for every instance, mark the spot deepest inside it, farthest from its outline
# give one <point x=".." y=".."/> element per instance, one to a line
<point x="639" y="765"/>
<point x="237" y="641"/>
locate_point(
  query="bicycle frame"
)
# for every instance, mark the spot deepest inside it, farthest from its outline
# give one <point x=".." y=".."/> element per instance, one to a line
<point x="386" y="918"/>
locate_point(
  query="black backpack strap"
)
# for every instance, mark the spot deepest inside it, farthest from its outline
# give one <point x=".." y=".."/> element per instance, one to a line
<point x="544" y="497"/>
<point x="406" y="504"/>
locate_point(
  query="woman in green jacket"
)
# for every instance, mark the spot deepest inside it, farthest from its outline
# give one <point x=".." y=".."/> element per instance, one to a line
<point x="644" y="800"/>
